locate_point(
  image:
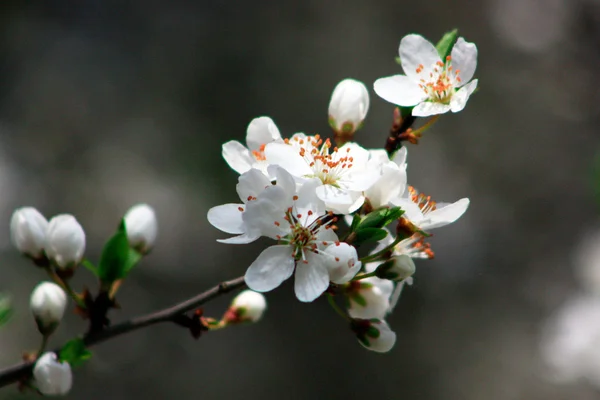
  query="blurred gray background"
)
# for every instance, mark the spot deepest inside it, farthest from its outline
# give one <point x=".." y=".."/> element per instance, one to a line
<point x="107" y="103"/>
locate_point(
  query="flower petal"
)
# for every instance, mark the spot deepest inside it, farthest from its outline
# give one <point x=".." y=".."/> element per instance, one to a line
<point x="261" y="131"/>
<point x="311" y="279"/>
<point x="241" y="239"/>
<point x="266" y="214"/>
<point x="428" y="108"/>
<point x="459" y="100"/>
<point x="445" y="215"/>
<point x="340" y="201"/>
<point x="400" y="157"/>
<point x="399" y="90"/>
<point x="289" y="158"/>
<point x="284" y="180"/>
<point x="273" y="266"/>
<point x="251" y="184"/>
<point x="416" y="51"/>
<point x="227" y="217"/>
<point x="237" y="156"/>
<point x="464" y="59"/>
<point x="390" y="185"/>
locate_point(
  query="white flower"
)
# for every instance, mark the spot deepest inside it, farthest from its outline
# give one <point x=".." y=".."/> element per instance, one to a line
<point x="391" y="182"/>
<point x="28" y="231"/>
<point x="431" y="85"/>
<point x="345" y="262"/>
<point x="48" y="302"/>
<point x="141" y="226"/>
<point x="65" y="241"/>
<point x="348" y="106"/>
<point x="343" y="172"/>
<point x="261" y="131"/>
<point x="426" y="214"/>
<point x="369" y="298"/>
<point x="248" y="306"/>
<point x="374" y="335"/>
<point x="298" y="221"/>
<point x="51" y="377"/>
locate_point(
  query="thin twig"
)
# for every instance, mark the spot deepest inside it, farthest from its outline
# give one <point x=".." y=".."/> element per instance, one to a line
<point x="18" y="371"/>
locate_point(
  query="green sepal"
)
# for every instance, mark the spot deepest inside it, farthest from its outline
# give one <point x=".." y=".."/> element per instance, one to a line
<point x="370" y="235"/>
<point x="6" y="310"/>
<point x="372" y="332"/>
<point x="444" y="46"/>
<point x="380" y="218"/>
<point x="356" y="220"/>
<point x="90" y="266"/>
<point x="117" y="258"/>
<point x="74" y="352"/>
<point x="359" y="299"/>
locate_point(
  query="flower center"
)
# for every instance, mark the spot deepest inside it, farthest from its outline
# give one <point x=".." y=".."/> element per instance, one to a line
<point x="329" y="168"/>
<point x="423" y="201"/>
<point x="441" y="83"/>
<point x="260" y="153"/>
<point x="415" y="247"/>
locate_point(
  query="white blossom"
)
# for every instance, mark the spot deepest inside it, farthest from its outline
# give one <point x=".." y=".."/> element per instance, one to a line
<point x="142" y="227"/>
<point x="52" y="378"/>
<point x="261" y="131"/>
<point x="391" y="182"/>
<point x="397" y="268"/>
<point x="343" y="172"/>
<point x="348" y="106"/>
<point x="65" y="241"/>
<point x="28" y="231"/>
<point x="369" y="298"/>
<point x="249" y="306"/>
<point x="432" y="85"/>
<point x="48" y="302"/>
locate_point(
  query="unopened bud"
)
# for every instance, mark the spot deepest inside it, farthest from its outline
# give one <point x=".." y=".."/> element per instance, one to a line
<point x="374" y="334"/>
<point x="369" y="298"/>
<point x="348" y="107"/>
<point x="52" y="378"/>
<point x="48" y="302"/>
<point x="396" y="268"/>
<point x="343" y="262"/>
<point x="65" y="241"/>
<point x="142" y="227"/>
<point x="248" y="306"/>
<point x="28" y="231"/>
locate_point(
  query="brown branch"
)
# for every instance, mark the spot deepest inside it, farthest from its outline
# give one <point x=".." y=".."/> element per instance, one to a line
<point x="22" y="370"/>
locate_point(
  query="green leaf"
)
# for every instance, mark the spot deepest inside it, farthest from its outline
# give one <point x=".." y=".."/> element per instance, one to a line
<point x="444" y="46"/>
<point x="380" y="217"/>
<point x="117" y="258"/>
<point x="6" y="310"/>
<point x="355" y="221"/>
<point x="91" y="267"/>
<point x="74" y="352"/>
<point x="369" y="235"/>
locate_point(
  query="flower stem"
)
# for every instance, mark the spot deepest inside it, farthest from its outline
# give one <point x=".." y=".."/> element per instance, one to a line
<point x="66" y="287"/>
<point x="337" y="308"/>
<point x="43" y="344"/>
<point x="376" y="256"/>
<point x="363" y="276"/>
<point x="426" y="126"/>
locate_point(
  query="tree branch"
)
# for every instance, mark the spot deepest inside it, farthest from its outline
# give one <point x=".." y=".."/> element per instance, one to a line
<point x="18" y="371"/>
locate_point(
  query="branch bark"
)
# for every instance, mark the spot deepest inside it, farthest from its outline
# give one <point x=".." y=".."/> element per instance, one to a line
<point x="18" y="371"/>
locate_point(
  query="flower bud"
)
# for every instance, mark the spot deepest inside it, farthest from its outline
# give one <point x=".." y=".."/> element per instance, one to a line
<point x="374" y="334"/>
<point x="248" y="306"/>
<point x="48" y="302"/>
<point x="28" y="231"/>
<point x="369" y="298"/>
<point x="141" y="225"/>
<point x="65" y="241"/>
<point x="51" y="377"/>
<point x="348" y="106"/>
<point x="344" y="263"/>
<point x="396" y="268"/>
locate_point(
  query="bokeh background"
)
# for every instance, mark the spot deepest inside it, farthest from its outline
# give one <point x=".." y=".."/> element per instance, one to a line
<point x="107" y="103"/>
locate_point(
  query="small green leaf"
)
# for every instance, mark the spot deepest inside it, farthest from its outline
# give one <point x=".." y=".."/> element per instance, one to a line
<point x="355" y="221"/>
<point x="369" y="235"/>
<point x="117" y="258"/>
<point x="74" y="352"/>
<point x="380" y="218"/>
<point x="91" y="267"/>
<point x="444" y="46"/>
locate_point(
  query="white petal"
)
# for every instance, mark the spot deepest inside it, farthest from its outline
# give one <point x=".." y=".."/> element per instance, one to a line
<point x="261" y="131"/>
<point x="379" y="156"/>
<point x="266" y="214"/>
<point x="308" y="201"/>
<point x="400" y="157"/>
<point x="395" y="296"/>
<point x="241" y="239"/>
<point x="311" y="279"/>
<point x="227" y="218"/>
<point x="237" y="156"/>
<point x="340" y="201"/>
<point x="464" y="59"/>
<point x="251" y="184"/>
<point x="385" y="341"/>
<point x="343" y="263"/>
<point x="284" y="180"/>
<point x="428" y="108"/>
<point x="414" y="51"/>
<point x="288" y="157"/>
<point x="273" y="266"/>
<point x="445" y="215"/>
<point x="400" y="90"/>
<point x="459" y="99"/>
<point x="389" y="186"/>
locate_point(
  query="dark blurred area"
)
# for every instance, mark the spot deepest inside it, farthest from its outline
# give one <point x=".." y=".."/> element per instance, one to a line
<point x="104" y="104"/>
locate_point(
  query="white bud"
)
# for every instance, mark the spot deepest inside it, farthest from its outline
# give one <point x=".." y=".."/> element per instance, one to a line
<point x="28" y="231"/>
<point x="397" y="268"/>
<point x="51" y="377"/>
<point x="48" y="302"/>
<point x="247" y="306"/>
<point x="65" y="241"/>
<point x="374" y="335"/>
<point x="348" y="106"/>
<point x="343" y="262"/>
<point x="369" y="298"/>
<point x="142" y="228"/>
